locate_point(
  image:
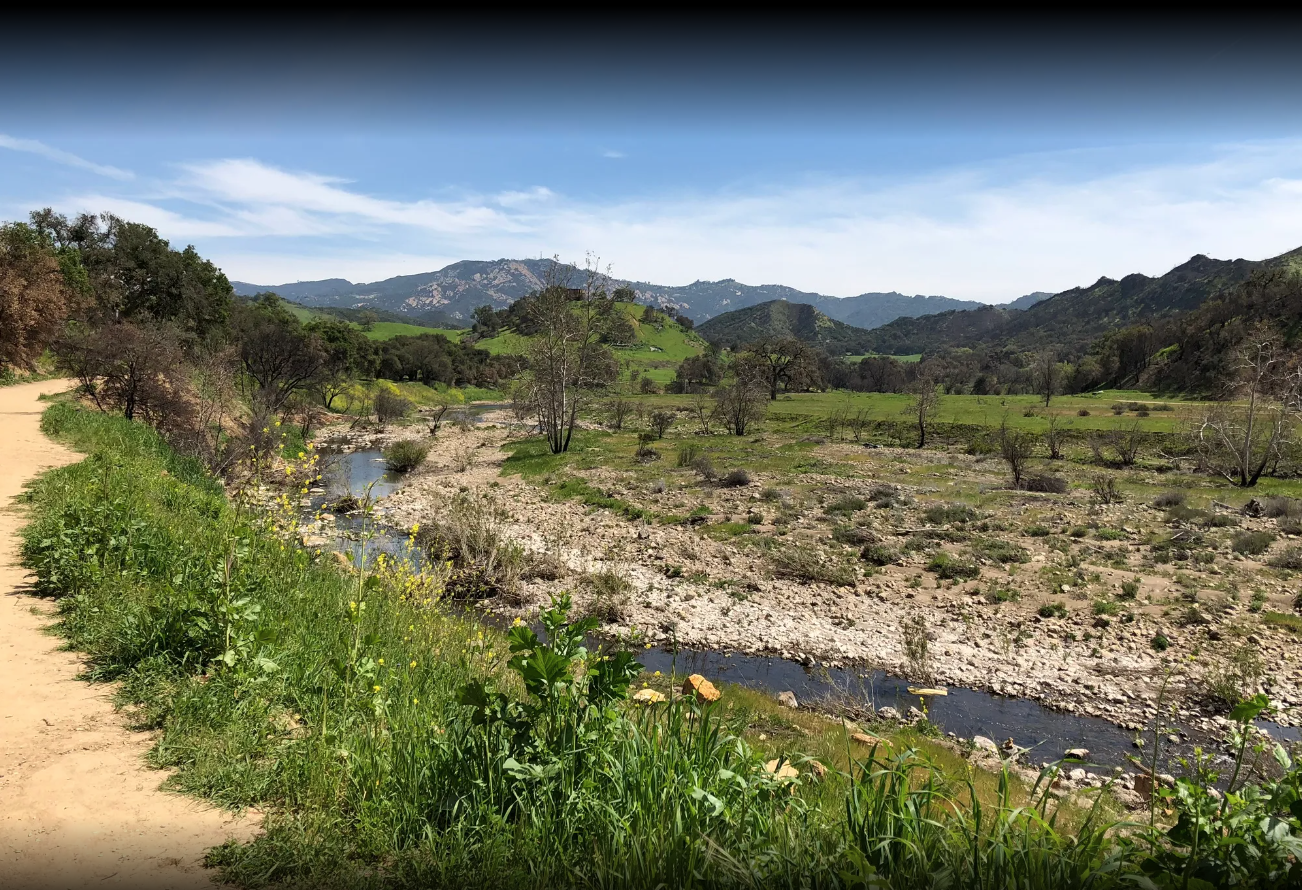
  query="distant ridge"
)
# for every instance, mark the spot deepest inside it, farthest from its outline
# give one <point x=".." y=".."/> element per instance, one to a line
<point x="457" y="289"/>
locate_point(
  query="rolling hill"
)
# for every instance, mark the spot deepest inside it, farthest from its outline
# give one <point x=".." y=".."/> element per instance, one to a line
<point x="1069" y="321"/>
<point x="457" y="289"/>
<point x="780" y="318"/>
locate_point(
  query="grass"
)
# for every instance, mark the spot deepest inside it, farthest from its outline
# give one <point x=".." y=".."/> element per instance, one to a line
<point x="394" y="745"/>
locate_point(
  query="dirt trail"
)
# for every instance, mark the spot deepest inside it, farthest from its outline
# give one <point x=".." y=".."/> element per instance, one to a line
<point x="78" y="805"/>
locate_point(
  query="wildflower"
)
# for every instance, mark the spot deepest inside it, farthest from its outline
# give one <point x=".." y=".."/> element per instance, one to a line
<point x="656" y="674"/>
<point x="376" y="688"/>
<point x="381" y="661"/>
<point x="415" y="701"/>
<point x="413" y="664"/>
<point x="490" y="653"/>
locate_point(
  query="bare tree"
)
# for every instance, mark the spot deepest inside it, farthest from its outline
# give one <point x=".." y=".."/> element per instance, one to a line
<point x="740" y="405"/>
<point x="133" y="369"/>
<point x="1124" y="443"/>
<point x="567" y="362"/>
<point x="705" y="410"/>
<point x="620" y="408"/>
<point x="1047" y="375"/>
<point x="858" y="423"/>
<point x="1017" y="447"/>
<point x="925" y="399"/>
<point x="1055" y="437"/>
<point x="1239" y="440"/>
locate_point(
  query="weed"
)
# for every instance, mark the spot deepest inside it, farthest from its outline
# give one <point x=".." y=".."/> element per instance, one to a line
<point x="808" y="564"/>
<point x="1046" y="483"/>
<point x="878" y="555"/>
<point x="1052" y="610"/>
<point x="950" y="514"/>
<point x="845" y="506"/>
<point x="736" y="479"/>
<point x="948" y="568"/>
<point x="1160" y="642"/>
<point x="999" y="550"/>
<point x="405" y="455"/>
<point x="1252" y="543"/>
<point x="611" y="593"/>
<point x="1168" y="499"/>
<point x="1129" y="590"/>
<point x="687" y="455"/>
<point x="1290" y="558"/>
<point x="917" y="651"/>
<point x="1106" y="607"/>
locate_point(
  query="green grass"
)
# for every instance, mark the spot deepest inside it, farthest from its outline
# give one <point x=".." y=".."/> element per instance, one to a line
<point x="381" y="330"/>
<point x="907" y="359"/>
<point x="392" y="745"/>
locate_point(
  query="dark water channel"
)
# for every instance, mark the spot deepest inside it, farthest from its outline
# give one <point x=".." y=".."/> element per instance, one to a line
<point x="965" y="712"/>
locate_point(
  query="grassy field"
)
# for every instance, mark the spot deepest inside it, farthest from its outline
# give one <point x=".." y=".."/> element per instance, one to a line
<point x="854" y="359"/>
<point x="381" y="330"/>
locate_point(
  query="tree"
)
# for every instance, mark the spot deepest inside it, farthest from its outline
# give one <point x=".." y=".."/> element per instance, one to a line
<point x="661" y="421"/>
<point x="366" y="319"/>
<point x="923" y="403"/>
<point x="1056" y="436"/>
<point x="567" y="362"/>
<point x="34" y="295"/>
<point x="349" y="355"/>
<point x="135" y="369"/>
<point x="695" y="372"/>
<point x="1047" y="375"/>
<point x="1240" y="440"/>
<point x="278" y="356"/>
<point x="740" y="404"/>
<point x="778" y="362"/>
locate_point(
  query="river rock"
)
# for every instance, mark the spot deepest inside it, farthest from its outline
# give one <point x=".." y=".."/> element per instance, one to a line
<point x="788" y="699"/>
<point x="1077" y="753"/>
<point x="889" y="713"/>
<point x="783" y="771"/>
<point x="981" y="743"/>
<point x="648" y="696"/>
<point x="703" y="689"/>
<point x="1077" y="775"/>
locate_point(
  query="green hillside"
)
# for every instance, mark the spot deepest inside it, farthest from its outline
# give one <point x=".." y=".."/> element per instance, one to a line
<point x="778" y="318"/>
<point x="380" y="330"/>
<point x="657" y="348"/>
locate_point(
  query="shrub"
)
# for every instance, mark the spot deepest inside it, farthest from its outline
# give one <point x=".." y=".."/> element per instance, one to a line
<point x="1083" y="412"/>
<point x="646" y="454"/>
<point x="736" y="479"/>
<point x="883" y="496"/>
<point x="951" y="569"/>
<point x="1288" y="525"/>
<point x="649" y="387"/>
<point x="809" y="564"/>
<point x="1252" y="543"/>
<point x="846" y="505"/>
<point x="1104" y="489"/>
<point x="1291" y="558"/>
<point x="998" y="550"/>
<point x="1036" y="531"/>
<point x="705" y="469"/>
<point x="1109" y="534"/>
<point x="407" y="455"/>
<point x="917" y="645"/>
<point x="1106" y="607"/>
<point x="1046" y="483"/>
<point x="949" y="514"/>
<point x="610" y="592"/>
<point x="853" y="535"/>
<point x="661" y="421"/>
<point x="995" y="595"/>
<point x="687" y="455"/>
<point x="1282" y="507"/>
<point x="1160" y="642"/>
<point x="1129" y="590"/>
<point x="390" y="405"/>
<point x="1168" y="499"/>
<point x="878" y="555"/>
<point x="469" y="533"/>
<point x="1052" y="610"/>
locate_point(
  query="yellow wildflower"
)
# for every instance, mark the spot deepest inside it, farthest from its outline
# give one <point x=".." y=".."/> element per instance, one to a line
<point x="376" y="688"/>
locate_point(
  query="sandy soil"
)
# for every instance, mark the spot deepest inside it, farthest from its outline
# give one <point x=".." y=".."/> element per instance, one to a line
<point x="78" y="805"/>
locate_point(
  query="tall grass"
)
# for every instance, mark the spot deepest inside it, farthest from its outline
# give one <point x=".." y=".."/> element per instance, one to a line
<point x="394" y="742"/>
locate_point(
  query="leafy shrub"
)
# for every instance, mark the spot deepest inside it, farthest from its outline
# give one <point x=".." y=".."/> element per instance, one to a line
<point x="1052" y="610"/>
<point x="1109" y="534"/>
<point x="878" y="555"/>
<point x="845" y="505"/>
<point x="853" y="535"/>
<point x="687" y="455"/>
<point x="1129" y="590"/>
<point x="736" y="479"/>
<point x="996" y="594"/>
<point x="646" y="454"/>
<point x="1252" y="543"/>
<point x="949" y="514"/>
<point x="809" y="564"/>
<point x="1160" y="642"/>
<point x="611" y="593"/>
<point x="1046" y="483"/>
<point x="1106" y="607"/>
<point x="1291" y="558"/>
<point x="406" y="455"/>
<point x="1036" y="531"/>
<point x="1168" y="499"/>
<point x="1282" y="507"/>
<point x="951" y="569"/>
<point x="998" y="550"/>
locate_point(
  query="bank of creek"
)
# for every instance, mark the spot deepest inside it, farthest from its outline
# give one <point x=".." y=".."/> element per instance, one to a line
<point x="835" y="648"/>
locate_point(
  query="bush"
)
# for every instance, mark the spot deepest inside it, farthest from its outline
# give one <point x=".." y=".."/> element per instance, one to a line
<point x="646" y="454"/>
<point x="1291" y="558"/>
<point x="1252" y="543"/>
<point x="661" y="421"/>
<point x="995" y="595"/>
<point x="878" y="555"/>
<point x="405" y="456"/>
<point x="736" y="479"/>
<point x="853" y="535"/>
<point x="1282" y="507"/>
<point x="809" y="564"/>
<point x="1104" y="489"/>
<point x="1046" y="483"/>
<point x="390" y="405"/>
<point x="1168" y="499"/>
<point x="1052" y="610"/>
<point x="1129" y="590"/>
<point x="1160" y="642"/>
<point x="1036" y="531"/>
<point x="611" y="593"/>
<point x="1106" y="607"/>
<point x="949" y="514"/>
<point x="705" y="469"/>
<point x="883" y="496"/>
<point x="951" y="569"/>
<point x="687" y="455"/>
<point x="998" y="550"/>
<point x="1083" y="412"/>
<point x="847" y="505"/>
<point x="469" y="533"/>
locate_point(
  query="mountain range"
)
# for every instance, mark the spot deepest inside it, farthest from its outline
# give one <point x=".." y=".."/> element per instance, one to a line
<point x="779" y="318"/>
<point x="454" y="291"/>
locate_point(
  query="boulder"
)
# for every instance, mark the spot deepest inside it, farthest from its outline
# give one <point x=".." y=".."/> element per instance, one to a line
<point x="703" y="689"/>
<point x="1077" y="753"/>
<point x="981" y="743"/>
<point x="864" y="738"/>
<point x="1077" y="775"/>
<point x="889" y="713"/>
<point x="648" y="697"/>
<point x="781" y="769"/>
<point x="788" y="699"/>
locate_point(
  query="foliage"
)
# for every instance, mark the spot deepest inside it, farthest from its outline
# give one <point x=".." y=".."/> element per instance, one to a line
<point x="1252" y="543"/>
<point x="35" y="295"/>
<point x="405" y="455"/>
<point x="949" y="568"/>
<point x="806" y="563"/>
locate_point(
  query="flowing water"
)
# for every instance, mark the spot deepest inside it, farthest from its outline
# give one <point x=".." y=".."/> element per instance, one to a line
<point x="965" y="712"/>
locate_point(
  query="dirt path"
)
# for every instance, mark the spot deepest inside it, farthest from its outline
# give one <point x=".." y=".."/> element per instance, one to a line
<point x="78" y="805"/>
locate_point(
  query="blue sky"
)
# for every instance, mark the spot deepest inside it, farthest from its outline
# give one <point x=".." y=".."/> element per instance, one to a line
<point x="976" y="160"/>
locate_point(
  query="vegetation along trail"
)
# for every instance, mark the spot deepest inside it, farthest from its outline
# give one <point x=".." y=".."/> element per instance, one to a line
<point x="81" y="808"/>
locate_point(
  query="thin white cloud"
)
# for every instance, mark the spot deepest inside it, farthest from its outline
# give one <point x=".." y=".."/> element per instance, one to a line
<point x="612" y="153"/>
<point x="32" y="146"/>
<point x="989" y="232"/>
